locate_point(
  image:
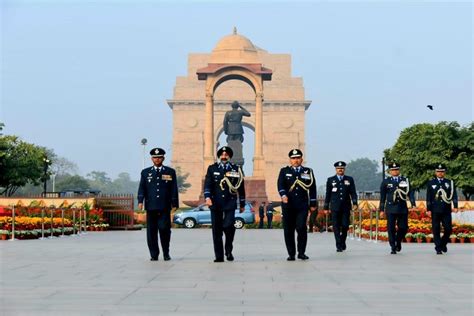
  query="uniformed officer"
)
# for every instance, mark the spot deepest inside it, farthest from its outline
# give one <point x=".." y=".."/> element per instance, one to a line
<point x="297" y="188"/>
<point x="395" y="191"/>
<point x="270" y="211"/>
<point x="158" y="189"/>
<point x="440" y="195"/>
<point x="223" y="185"/>
<point x="261" y="215"/>
<point x="340" y="198"/>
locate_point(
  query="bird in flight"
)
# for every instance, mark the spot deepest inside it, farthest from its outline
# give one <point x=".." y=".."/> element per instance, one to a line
<point x="429" y="106"/>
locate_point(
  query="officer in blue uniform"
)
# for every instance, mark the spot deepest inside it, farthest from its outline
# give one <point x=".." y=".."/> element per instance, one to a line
<point x="297" y="188"/>
<point x="440" y="195"/>
<point x="158" y="190"/>
<point x="340" y="198"/>
<point x="395" y="191"/>
<point x="223" y="187"/>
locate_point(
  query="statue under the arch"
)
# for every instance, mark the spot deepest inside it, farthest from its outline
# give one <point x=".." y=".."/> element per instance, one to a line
<point x="234" y="130"/>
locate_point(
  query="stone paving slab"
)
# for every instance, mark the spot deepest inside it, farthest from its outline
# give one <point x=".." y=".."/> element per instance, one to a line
<point x="109" y="273"/>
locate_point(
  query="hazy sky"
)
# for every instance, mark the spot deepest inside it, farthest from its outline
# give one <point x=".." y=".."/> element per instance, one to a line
<point x="90" y="79"/>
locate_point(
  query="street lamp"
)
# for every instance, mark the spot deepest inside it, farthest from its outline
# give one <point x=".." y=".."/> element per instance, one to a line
<point x="144" y="142"/>
<point x="53" y="177"/>
<point x="46" y="162"/>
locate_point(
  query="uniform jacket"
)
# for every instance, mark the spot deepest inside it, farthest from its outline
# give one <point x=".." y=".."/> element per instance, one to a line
<point x="434" y="203"/>
<point x="159" y="189"/>
<point x="222" y="198"/>
<point x="340" y="194"/>
<point x="391" y="202"/>
<point x="298" y="197"/>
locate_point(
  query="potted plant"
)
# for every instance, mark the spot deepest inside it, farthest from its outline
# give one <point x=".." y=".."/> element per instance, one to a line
<point x="429" y="238"/>
<point x="408" y="237"/>
<point x="453" y="238"/>
<point x="471" y="237"/>
<point x="462" y="237"/>
<point x="4" y="234"/>
<point x="419" y="237"/>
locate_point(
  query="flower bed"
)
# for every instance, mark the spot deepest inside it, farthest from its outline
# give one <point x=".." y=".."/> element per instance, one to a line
<point x="419" y="230"/>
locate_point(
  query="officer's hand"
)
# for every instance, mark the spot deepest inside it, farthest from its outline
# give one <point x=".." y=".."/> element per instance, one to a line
<point x="284" y="199"/>
<point x="354" y="207"/>
<point x="173" y="209"/>
<point x="242" y="209"/>
<point x="428" y="213"/>
<point x="326" y="212"/>
<point x="140" y="206"/>
<point x="208" y="202"/>
<point x="382" y="213"/>
<point x="313" y="208"/>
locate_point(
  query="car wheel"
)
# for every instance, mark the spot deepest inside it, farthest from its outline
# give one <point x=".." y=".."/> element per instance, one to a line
<point x="239" y="223"/>
<point x="189" y="223"/>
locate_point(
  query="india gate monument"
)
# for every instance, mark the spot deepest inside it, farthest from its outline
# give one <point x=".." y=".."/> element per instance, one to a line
<point x="271" y="103"/>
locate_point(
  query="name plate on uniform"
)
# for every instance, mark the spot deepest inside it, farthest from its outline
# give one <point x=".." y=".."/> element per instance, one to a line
<point x="403" y="184"/>
<point x="232" y="174"/>
<point x="289" y="175"/>
<point x="166" y="177"/>
<point x="334" y="189"/>
<point x="305" y="176"/>
<point x="217" y="173"/>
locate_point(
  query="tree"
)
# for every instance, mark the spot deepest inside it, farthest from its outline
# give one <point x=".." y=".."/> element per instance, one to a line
<point x="72" y="182"/>
<point x="20" y="163"/>
<point x="364" y="172"/>
<point x="181" y="179"/>
<point x="100" y="181"/>
<point x="421" y="147"/>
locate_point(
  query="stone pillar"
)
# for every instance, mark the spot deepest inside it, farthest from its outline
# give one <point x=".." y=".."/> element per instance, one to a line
<point x="209" y="132"/>
<point x="258" y="161"/>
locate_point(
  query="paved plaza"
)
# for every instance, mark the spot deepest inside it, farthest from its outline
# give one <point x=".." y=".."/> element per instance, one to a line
<point x="109" y="273"/>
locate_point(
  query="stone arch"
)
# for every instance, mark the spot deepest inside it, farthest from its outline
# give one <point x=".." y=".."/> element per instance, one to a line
<point x="234" y="73"/>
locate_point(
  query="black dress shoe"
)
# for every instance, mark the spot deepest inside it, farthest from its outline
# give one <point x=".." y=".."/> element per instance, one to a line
<point x="154" y="259"/>
<point x="230" y="257"/>
<point x="303" y="257"/>
<point x="344" y="246"/>
<point x="339" y="250"/>
<point x="167" y="257"/>
<point x="399" y="247"/>
<point x="290" y="258"/>
<point x="439" y="252"/>
<point x="445" y="248"/>
<point x="219" y="260"/>
<point x="393" y="252"/>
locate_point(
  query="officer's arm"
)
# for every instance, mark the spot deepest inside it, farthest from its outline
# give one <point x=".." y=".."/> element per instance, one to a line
<point x="208" y="184"/>
<point x="313" y="194"/>
<point x="383" y="196"/>
<point x="353" y="192"/>
<point x="241" y="191"/>
<point x="411" y="195"/>
<point x="174" y="192"/>
<point x="281" y="183"/>
<point x="429" y="194"/>
<point x="455" y="196"/>
<point x="141" y="189"/>
<point x="327" y="199"/>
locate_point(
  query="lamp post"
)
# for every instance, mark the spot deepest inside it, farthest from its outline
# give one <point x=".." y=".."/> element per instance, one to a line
<point x="53" y="177"/>
<point x="144" y="142"/>
<point x="46" y="162"/>
<point x="383" y="168"/>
